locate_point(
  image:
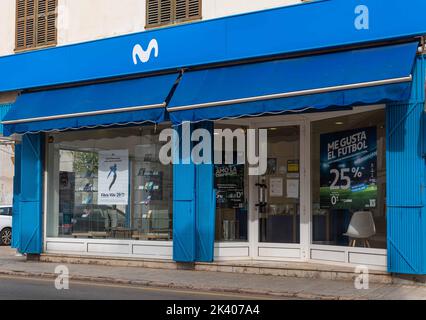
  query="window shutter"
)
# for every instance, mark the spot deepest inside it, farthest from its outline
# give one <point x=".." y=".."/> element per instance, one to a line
<point x="187" y="10"/>
<point x="166" y="15"/>
<point x="194" y="9"/>
<point x="181" y="9"/>
<point x="153" y="12"/>
<point x="35" y="23"/>
<point x="41" y="22"/>
<point x="159" y="12"/>
<point x="20" y="23"/>
<point x="51" y="22"/>
<point x="165" y="12"/>
<point x="30" y="24"/>
<point x="25" y="24"/>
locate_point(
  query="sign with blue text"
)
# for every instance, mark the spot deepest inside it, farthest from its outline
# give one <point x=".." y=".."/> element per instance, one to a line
<point x="349" y="169"/>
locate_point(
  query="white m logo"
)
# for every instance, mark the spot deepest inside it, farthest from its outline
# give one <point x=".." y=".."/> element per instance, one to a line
<point x="139" y="54"/>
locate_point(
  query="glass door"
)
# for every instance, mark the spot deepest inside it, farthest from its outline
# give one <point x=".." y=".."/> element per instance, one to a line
<point x="279" y="189"/>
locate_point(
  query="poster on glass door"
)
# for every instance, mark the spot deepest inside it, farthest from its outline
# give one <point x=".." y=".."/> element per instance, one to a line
<point x="348" y="172"/>
<point x="229" y="185"/>
<point x="113" y="176"/>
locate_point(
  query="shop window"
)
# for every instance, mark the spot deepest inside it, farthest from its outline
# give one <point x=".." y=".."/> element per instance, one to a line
<point x="349" y="180"/>
<point x="166" y="12"/>
<point x="231" y="185"/>
<point x="35" y="24"/>
<point x="109" y="184"/>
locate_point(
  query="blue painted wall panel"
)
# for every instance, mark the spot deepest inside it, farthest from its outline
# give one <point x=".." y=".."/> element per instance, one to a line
<point x="184" y="213"/>
<point x="184" y="179"/>
<point x="206" y="206"/>
<point x="406" y="225"/>
<point x="406" y="247"/>
<point x="206" y="213"/>
<point x="266" y="33"/>
<point x="184" y="246"/>
<point x="30" y="200"/>
<point x="31" y="228"/>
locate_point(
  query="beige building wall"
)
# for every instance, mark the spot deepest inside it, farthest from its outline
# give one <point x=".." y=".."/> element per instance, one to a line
<point x="7" y="27"/>
<point x="222" y="8"/>
<point x="84" y="20"/>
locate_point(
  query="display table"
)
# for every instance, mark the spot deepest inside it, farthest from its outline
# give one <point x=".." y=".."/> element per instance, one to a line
<point x="122" y="233"/>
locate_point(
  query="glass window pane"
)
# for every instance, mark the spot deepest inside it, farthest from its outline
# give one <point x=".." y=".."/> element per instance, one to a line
<point x="279" y="189"/>
<point x="109" y="184"/>
<point x="349" y="180"/>
<point x="231" y="185"/>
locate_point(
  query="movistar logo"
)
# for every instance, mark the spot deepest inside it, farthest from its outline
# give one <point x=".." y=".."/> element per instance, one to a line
<point x="139" y="54"/>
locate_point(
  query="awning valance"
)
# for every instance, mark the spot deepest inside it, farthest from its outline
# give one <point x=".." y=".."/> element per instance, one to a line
<point x="356" y="77"/>
<point x="106" y="104"/>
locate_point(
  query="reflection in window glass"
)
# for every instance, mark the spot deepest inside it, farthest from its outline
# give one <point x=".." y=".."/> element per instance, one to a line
<point x="349" y="180"/>
<point x="109" y="184"/>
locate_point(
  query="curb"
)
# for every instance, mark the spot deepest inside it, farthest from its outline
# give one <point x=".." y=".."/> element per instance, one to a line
<point x="171" y="285"/>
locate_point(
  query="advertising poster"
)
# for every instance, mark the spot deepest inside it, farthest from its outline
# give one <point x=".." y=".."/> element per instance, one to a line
<point x="349" y="169"/>
<point x="229" y="185"/>
<point x="113" y="176"/>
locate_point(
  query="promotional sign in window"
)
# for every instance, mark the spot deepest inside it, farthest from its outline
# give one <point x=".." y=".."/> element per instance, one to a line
<point x="229" y="185"/>
<point x="349" y="169"/>
<point x="113" y="176"/>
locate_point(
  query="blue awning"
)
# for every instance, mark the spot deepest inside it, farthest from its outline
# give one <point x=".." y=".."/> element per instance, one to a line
<point x="107" y="104"/>
<point x="356" y="77"/>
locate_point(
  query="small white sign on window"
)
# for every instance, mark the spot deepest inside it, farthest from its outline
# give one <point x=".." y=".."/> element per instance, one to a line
<point x="113" y="183"/>
<point x="293" y="189"/>
<point x="276" y="187"/>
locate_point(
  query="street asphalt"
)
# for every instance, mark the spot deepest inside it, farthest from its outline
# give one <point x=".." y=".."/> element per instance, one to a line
<point x="17" y="288"/>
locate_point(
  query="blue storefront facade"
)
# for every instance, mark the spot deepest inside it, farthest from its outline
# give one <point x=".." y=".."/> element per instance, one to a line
<point x="267" y="69"/>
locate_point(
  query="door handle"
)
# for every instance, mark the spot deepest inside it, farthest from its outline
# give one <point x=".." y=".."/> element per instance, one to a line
<point x="262" y="204"/>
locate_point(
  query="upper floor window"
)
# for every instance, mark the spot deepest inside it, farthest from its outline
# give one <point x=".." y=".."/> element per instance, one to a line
<point x="166" y="12"/>
<point x="35" y="24"/>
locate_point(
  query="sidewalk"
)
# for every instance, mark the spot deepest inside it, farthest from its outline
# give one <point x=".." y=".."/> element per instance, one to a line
<point x="211" y="281"/>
